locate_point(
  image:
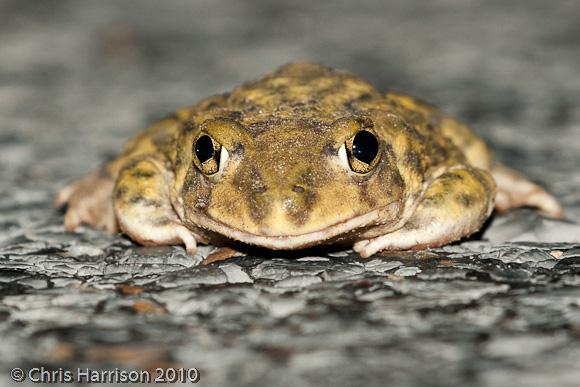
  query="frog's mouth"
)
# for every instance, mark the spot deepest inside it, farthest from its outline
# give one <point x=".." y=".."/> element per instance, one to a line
<point x="349" y="229"/>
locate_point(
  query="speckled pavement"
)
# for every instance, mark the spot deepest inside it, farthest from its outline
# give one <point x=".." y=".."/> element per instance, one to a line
<point x="78" y="78"/>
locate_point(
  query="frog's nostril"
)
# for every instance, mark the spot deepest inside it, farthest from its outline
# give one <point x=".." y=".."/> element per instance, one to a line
<point x="298" y="189"/>
<point x="257" y="187"/>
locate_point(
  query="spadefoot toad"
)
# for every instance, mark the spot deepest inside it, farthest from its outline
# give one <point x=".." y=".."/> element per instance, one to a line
<point x="304" y="156"/>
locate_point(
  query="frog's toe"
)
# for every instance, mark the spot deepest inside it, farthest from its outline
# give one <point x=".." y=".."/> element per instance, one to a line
<point x="188" y="239"/>
<point x="89" y="202"/>
<point x="63" y="196"/>
<point x="515" y="190"/>
<point x="367" y="249"/>
<point x="360" y="246"/>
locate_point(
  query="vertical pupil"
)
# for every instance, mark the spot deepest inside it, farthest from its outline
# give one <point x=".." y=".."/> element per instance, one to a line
<point x="365" y="146"/>
<point x="204" y="148"/>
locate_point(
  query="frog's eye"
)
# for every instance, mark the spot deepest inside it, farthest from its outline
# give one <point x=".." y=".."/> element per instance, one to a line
<point x="360" y="152"/>
<point x="209" y="156"/>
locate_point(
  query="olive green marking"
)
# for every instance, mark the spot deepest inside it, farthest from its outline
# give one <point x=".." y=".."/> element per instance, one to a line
<point x="161" y="221"/>
<point x="434" y="200"/>
<point x="142" y="174"/>
<point x="249" y="177"/>
<point x="120" y="192"/>
<point x="466" y="200"/>
<point x="145" y="201"/>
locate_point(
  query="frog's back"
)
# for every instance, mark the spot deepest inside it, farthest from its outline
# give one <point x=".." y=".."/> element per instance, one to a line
<point x="320" y="94"/>
<point x="433" y="122"/>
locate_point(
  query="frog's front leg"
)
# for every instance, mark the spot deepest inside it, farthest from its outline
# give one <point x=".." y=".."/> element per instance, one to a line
<point x="142" y="204"/>
<point x="454" y="205"/>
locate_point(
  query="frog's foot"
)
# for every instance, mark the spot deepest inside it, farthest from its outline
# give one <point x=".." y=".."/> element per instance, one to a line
<point x="141" y="200"/>
<point x="454" y="205"/>
<point x="89" y="202"/>
<point x="514" y="190"/>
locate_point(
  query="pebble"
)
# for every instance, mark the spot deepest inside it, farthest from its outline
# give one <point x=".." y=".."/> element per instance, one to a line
<point x="299" y="281"/>
<point x="235" y="274"/>
<point x="407" y="271"/>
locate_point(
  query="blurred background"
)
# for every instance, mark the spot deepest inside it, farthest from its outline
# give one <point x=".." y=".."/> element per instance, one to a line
<point x="77" y="78"/>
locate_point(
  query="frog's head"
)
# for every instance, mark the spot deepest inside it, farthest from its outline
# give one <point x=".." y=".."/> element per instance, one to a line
<point x="289" y="183"/>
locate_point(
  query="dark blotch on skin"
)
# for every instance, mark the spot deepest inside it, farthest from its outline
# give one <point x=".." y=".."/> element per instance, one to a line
<point x="365" y="122"/>
<point x="237" y="150"/>
<point x="449" y="180"/>
<point x="329" y="149"/>
<point x="212" y="105"/>
<point x="365" y="97"/>
<point x="466" y="200"/>
<point x="120" y="192"/>
<point x="440" y="154"/>
<point x="140" y="174"/>
<point x="351" y="105"/>
<point x="233" y="115"/>
<point x="162" y="221"/>
<point x="434" y="200"/>
<point x="414" y="134"/>
<point x="144" y="201"/>
<point x="364" y="195"/>
<point x="454" y="177"/>
<point x="188" y="126"/>
<point x="216" y="101"/>
<point x="250" y="179"/>
<point x="196" y="189"/>
<point x="302" y="213"/>
<point x="160" y="140"/>
<point x="306" y="197"/>
<point x="257" y="128"/>
<point x="414" y="161"/>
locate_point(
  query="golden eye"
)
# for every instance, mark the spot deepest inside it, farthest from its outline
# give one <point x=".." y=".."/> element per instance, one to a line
<point x="362" y="151"/>
<point x="210" y="156"/>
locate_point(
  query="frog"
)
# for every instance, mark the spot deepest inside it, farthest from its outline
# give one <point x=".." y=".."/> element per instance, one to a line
<point x="304" y="156"/>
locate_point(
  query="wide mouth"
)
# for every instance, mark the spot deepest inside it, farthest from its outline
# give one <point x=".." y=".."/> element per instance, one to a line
<point x="289" y="242"/>
<point x="283" y="242"/>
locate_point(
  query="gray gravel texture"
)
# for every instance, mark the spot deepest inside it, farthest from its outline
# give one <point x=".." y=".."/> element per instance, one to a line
<point x="77" y="78"/>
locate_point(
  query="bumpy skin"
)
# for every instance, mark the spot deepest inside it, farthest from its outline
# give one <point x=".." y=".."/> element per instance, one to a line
<point x="285" y="186"/>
